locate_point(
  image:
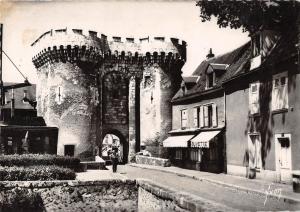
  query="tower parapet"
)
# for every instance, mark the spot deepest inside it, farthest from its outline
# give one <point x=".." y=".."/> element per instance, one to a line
<point x="146" y="50"/>
<point x="68" y="45"/>
<point x="77" y="45"/>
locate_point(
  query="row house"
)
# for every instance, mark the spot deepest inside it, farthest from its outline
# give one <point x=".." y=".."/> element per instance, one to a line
<point x="240" y="112"/>
<point x="263" y="109"/>
<point x="197" y="138"/>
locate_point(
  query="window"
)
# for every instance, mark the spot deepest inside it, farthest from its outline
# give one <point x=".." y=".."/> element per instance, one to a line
<point x="184" y="119"/>
<point x="210" y="80"/>
<point x="178" y="154"/>
<point x="254" y="151"/>
<point x="25" y="97"/>
<point x="208" y="115"/>
<point x="254" y="98"/>
<point x="59" y="95"/>
<point x="195" y="154"/>
<point x="280" y="92"/>
<point x="196" y="116"/>
<point x="69" y="150"/>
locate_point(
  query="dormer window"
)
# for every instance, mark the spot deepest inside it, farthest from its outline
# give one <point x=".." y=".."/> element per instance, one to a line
<point x="183" y="88"/>
<point x="256" y="45"/>
<point x="255" y="51"/>
<point x="189" y="82"/>
<point x="210" y="78"/>
<point x="214" y="70"/>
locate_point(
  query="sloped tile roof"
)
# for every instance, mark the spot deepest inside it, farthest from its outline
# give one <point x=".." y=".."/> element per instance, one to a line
<point x="19" y="94"/>
<point x="239" y="63"/>
<point x="236" y="59"/>
<point x="190" y="79"/>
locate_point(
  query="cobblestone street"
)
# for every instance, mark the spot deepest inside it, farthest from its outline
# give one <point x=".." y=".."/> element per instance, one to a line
<point x="218" y="193"/>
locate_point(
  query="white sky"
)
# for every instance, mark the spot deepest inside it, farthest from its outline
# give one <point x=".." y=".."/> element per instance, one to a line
<point x="24" y="22"/>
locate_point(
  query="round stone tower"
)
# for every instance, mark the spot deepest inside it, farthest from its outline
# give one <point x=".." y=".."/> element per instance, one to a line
<point x="66" y="62"/>
<point x="92" y="85"/>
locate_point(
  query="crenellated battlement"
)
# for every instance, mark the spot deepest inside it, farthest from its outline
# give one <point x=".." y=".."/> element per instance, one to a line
<point x="77" y="45"/>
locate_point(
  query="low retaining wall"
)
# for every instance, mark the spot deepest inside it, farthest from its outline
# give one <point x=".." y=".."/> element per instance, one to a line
<point x="140" y="159"/>
<point x="105" y="195"/>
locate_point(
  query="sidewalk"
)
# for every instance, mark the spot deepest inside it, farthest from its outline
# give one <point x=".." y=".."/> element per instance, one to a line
<point x="272" y="190"/>
<point x="99" y="175"/>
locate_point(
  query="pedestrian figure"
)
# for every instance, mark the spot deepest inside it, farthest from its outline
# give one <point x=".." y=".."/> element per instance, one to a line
<point x="114" y="158"/>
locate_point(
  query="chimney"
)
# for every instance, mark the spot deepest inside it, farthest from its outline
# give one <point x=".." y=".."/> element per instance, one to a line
<point x="210" y="54"/>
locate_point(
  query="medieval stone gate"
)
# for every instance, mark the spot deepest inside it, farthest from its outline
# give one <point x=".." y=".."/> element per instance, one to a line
<point x="89" y="86"/>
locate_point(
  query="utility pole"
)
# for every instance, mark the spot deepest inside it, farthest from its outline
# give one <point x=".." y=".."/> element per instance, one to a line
<point x="2" y="98"/>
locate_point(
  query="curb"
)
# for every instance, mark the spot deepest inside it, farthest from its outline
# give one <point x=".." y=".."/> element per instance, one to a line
<point x="187" y="201"/>
<point x="226" y="185"/>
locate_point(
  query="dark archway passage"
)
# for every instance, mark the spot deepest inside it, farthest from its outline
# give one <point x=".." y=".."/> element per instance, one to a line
<point x="114" y="139"/>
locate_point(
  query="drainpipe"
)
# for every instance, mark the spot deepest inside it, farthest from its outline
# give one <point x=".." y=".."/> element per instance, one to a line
<point x="12" y="105"/>
<point x="224" y="108"/>
<point x="224" y="136"/>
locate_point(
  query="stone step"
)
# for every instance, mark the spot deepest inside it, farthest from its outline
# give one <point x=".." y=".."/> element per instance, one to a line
<point x="93" y="165"/>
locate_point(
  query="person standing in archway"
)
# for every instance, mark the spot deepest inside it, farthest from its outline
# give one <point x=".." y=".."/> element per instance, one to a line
<point x="114" y="159"/>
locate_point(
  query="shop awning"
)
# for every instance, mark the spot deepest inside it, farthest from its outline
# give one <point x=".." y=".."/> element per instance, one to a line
<point x="202" y="139"/>
<point x="177" y="141"/>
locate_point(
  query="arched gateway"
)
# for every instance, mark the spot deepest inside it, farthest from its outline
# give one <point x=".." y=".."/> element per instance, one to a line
<point x="89" y="86"/>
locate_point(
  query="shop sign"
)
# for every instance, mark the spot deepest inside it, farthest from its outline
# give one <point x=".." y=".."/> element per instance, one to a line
<point x="200" y="144"/>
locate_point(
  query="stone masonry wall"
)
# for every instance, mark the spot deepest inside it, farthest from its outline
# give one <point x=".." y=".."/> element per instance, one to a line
<point x="66" y="102"/>
<point x="157" y="90"/>
<point x="150" y="113"/>
<point x="105" y="195"/>
<point x="140" y="159"/>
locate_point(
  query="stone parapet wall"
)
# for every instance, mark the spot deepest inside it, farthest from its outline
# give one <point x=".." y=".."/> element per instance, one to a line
<point x="140" y="159"/>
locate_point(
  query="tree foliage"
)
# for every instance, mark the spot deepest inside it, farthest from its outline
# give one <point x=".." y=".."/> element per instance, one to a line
<point x="249" y="15"/>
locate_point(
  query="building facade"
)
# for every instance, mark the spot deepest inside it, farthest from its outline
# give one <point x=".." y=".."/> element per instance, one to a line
<point x="250" y="95"/>
<point x="90" y="86"/>
<point x="262" y="108"/>
<point x="21" y="130"/>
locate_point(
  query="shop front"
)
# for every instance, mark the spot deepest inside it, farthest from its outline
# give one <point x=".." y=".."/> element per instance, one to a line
<point x="211" y="145"/>
<point x="201" y="151"/>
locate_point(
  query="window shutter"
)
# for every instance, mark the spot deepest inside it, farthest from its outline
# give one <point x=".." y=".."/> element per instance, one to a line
<point x="254" y="98"/>
<point x="205" y="109"/>
<point x="275" y="98"/>
<point x="251" y="151"/>
<point x="258" y="152"/>
<point x="257" y="108"/>
<point x="214" y="116"/>
<point x="184" y="119"/>
<point x="195" y="117"/>
<point x="201" y="116"/>
<point x="285" y="94"/>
